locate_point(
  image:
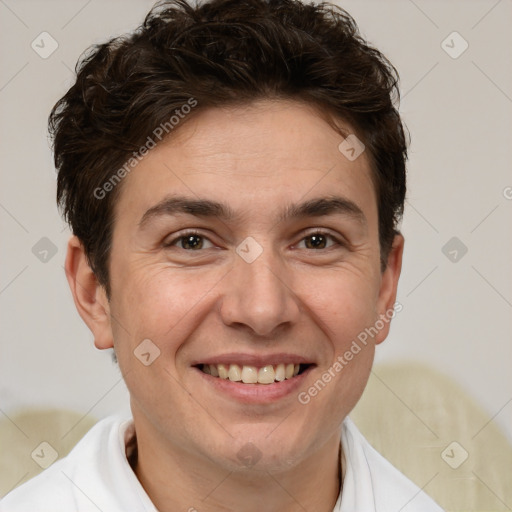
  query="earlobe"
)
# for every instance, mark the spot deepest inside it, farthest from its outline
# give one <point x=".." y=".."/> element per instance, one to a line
<point x="89" y="296"/>
<point x="388" y="287"/>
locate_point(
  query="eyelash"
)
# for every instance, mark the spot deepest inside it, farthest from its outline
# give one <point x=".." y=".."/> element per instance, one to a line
<point x="186" y="234"/>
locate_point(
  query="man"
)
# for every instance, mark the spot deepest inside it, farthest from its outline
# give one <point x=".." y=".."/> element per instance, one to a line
<point x="233" y="174"/>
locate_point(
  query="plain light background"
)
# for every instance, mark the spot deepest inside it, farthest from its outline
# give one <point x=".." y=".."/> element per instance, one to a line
<point x="456" y="316"/>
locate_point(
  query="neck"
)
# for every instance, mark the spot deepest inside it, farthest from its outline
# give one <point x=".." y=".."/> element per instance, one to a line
<point x="177" y="480"/>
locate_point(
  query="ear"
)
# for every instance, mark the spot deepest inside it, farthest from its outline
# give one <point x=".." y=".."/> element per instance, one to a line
<point x="89" y="296"/>
<point x="388" y="287"/>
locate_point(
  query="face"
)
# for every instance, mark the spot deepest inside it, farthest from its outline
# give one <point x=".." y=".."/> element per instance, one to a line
<point x="247" y="239"/>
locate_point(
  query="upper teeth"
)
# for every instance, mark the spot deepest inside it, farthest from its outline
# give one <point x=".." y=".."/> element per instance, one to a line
<point x="251" y="374"/>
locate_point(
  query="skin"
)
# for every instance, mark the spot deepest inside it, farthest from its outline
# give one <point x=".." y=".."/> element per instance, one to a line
<point x="198" y="303"/>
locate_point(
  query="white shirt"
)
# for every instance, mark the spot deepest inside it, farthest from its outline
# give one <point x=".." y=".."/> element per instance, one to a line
<point x="96" y="476"/>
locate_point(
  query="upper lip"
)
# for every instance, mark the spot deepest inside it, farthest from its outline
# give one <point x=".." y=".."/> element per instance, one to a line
<point x="258" y="360"/>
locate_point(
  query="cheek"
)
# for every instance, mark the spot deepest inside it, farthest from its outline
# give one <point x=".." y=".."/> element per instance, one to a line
<point x="344" y="302"/>
<point x="160" y="304"/>
<point x="345" y="308"/>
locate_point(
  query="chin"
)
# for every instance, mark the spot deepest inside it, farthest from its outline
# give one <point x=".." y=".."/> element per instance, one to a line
<point x="256" y="450"/>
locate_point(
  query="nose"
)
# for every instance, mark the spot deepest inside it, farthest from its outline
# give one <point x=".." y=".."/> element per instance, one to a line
<point x="259" y="296"/>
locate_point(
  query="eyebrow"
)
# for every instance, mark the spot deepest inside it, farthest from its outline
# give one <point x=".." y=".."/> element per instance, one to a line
<point x="318" y="207"/>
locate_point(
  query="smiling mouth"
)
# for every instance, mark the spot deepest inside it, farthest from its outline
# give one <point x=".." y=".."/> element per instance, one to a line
<point x="252" y="374"/>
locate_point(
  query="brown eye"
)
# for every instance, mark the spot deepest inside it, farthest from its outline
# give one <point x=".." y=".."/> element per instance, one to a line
<point x="319" y="240"/>
<point x="189" y="242"/>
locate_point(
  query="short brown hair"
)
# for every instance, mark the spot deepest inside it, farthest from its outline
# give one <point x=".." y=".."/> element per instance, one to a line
<point x="224" y="52"/>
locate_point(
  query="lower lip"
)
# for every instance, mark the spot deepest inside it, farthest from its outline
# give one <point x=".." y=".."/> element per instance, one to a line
<point x="256" y="393"/>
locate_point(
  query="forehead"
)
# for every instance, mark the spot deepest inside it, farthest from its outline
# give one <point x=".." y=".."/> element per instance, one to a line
<point x="267" y="152"/>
